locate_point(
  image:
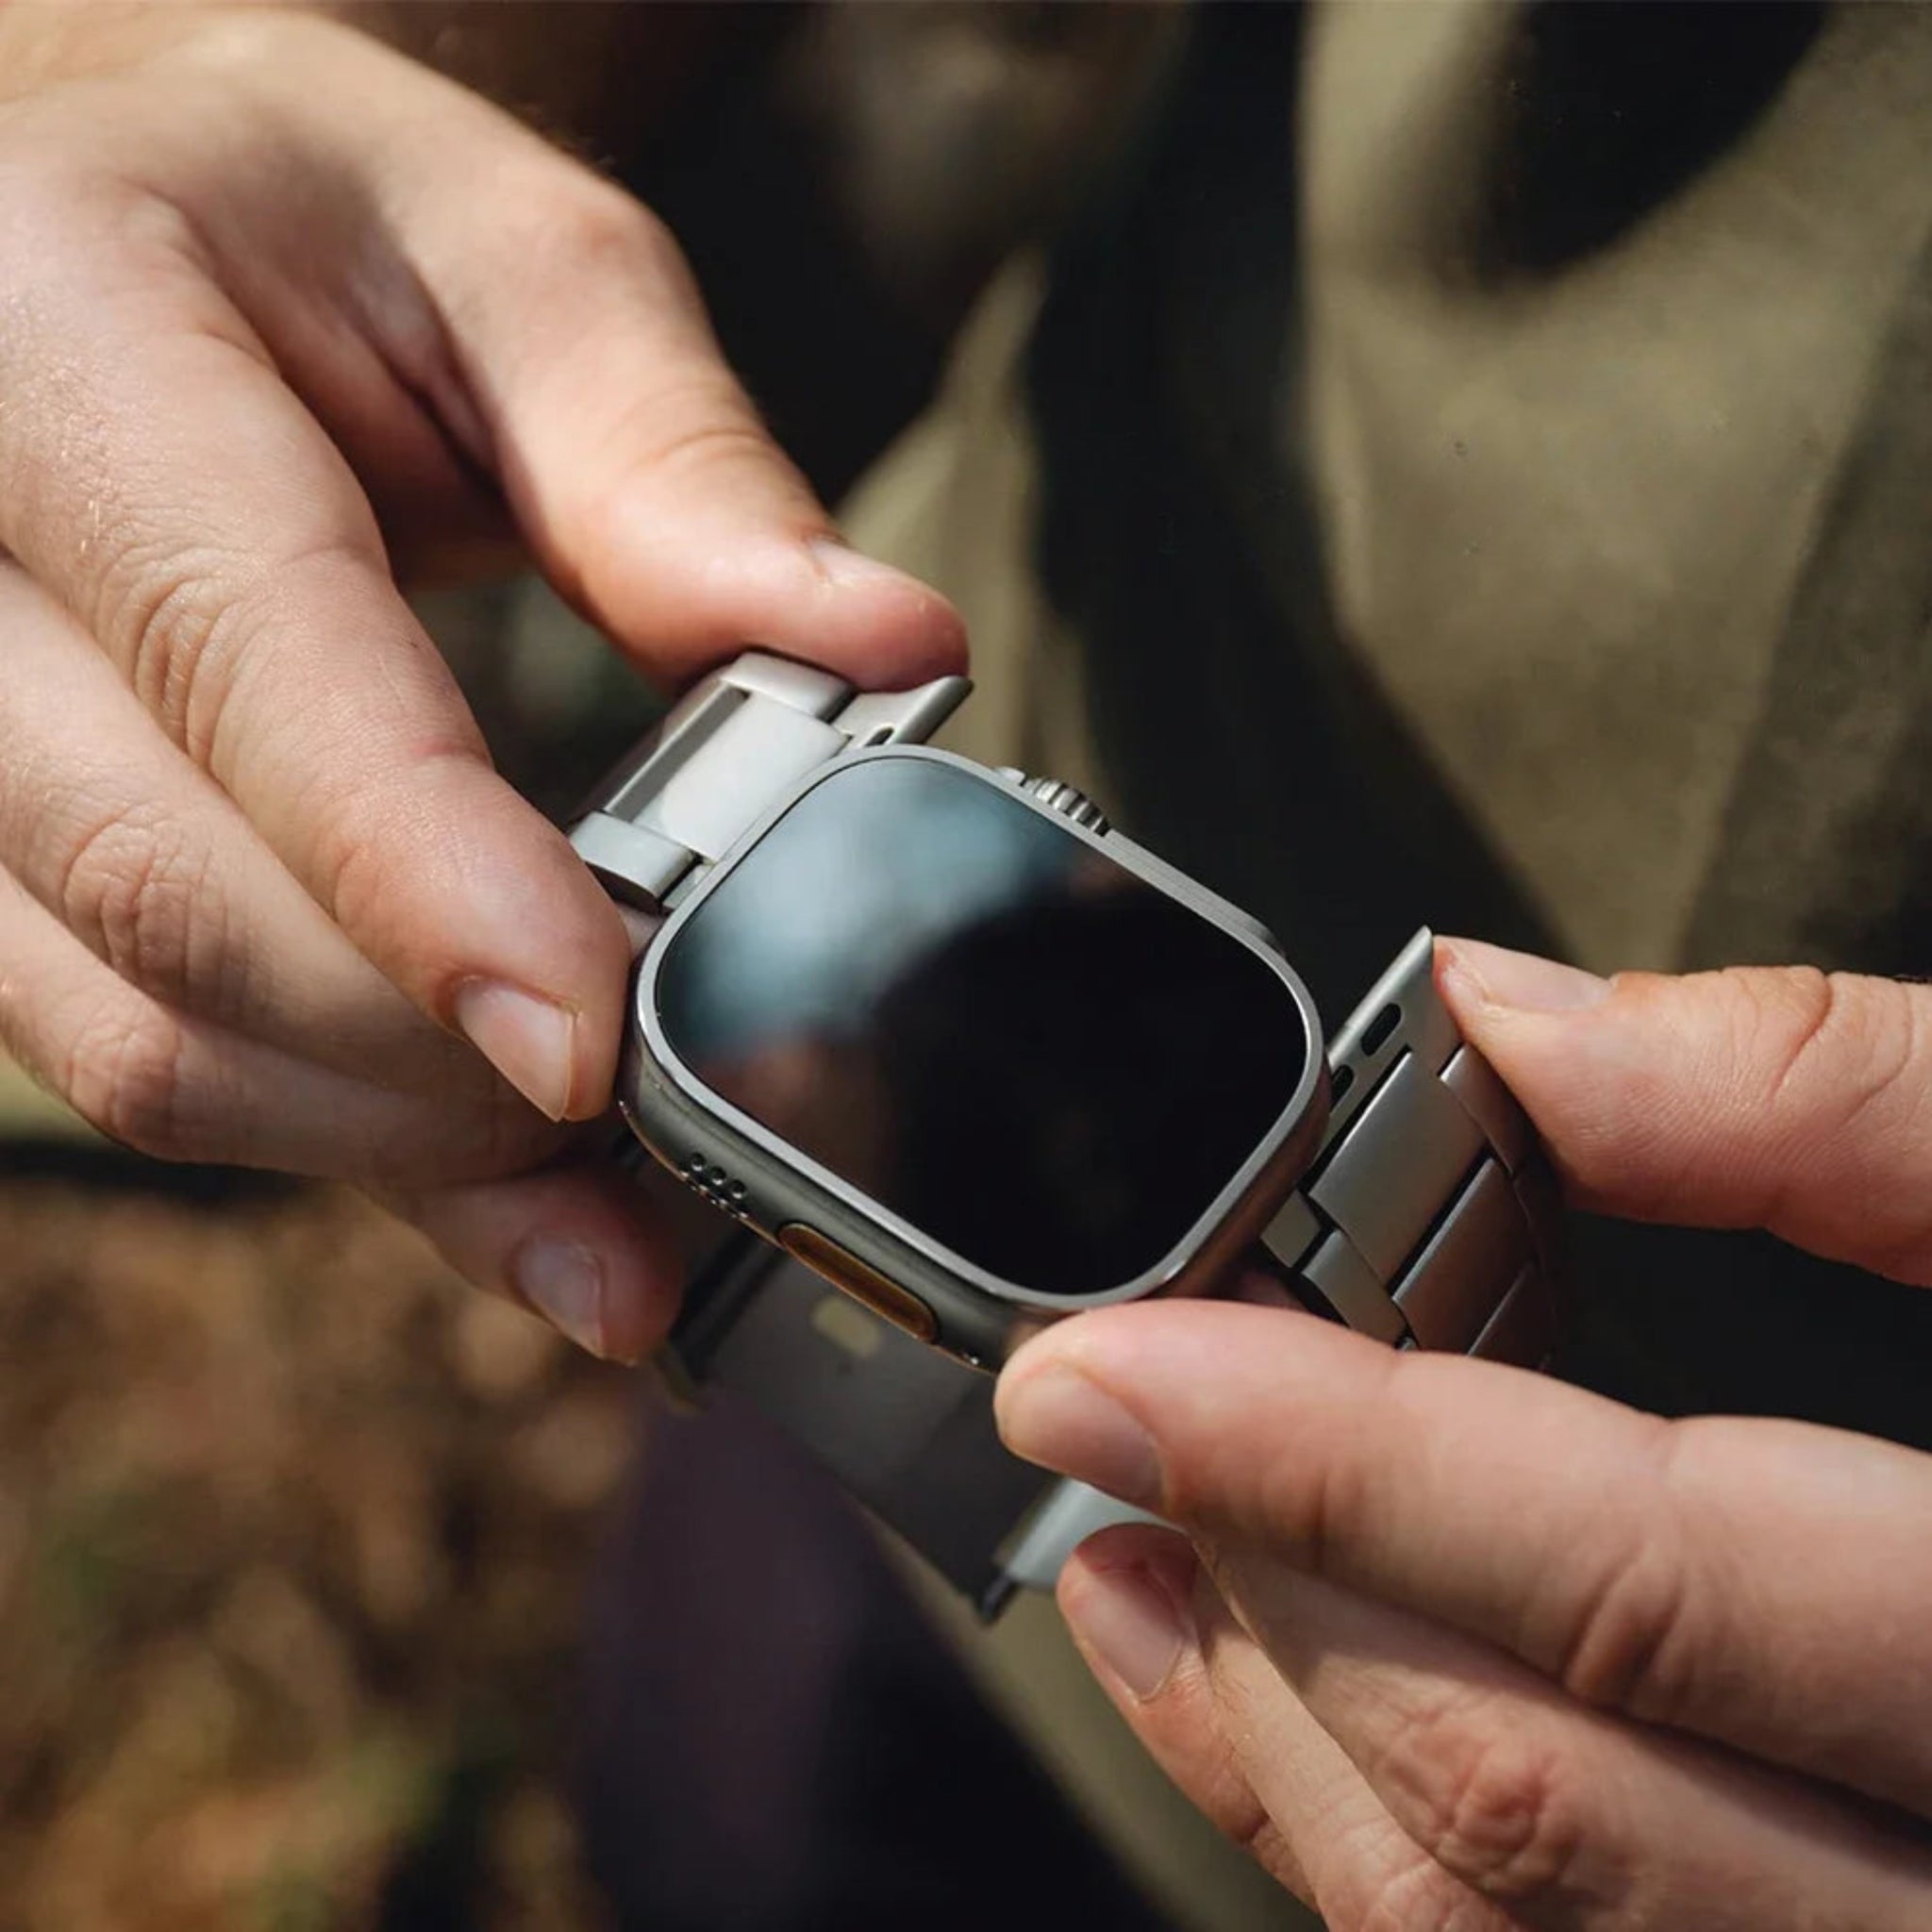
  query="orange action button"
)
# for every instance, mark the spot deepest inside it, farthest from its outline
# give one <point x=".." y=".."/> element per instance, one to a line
<point x="862" y="1282"/>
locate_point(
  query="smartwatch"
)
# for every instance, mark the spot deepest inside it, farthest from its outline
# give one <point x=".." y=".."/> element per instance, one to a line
<point x="941" y="1038"/>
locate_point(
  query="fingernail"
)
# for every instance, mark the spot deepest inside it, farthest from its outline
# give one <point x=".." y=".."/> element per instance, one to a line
<point x="564" y="1282"/>
<point x="1525" y="980"/>
<point x="526" y="1038"/>
<point x="1060" y="1419"/>
<point x="1133" y="1625"/>
<point x="838" y="563"/>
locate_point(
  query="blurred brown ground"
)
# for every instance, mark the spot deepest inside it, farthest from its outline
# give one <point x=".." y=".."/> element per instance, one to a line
<point x="292" y="1538"/>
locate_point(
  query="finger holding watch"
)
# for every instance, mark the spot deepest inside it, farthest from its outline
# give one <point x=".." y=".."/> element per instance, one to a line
<point x="1478" y="1648"/>
<point x="256" y="344"/>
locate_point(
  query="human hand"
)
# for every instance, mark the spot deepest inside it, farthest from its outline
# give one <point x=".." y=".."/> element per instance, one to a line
<point x="281" y="306"/>
<point x="1464" y="1647"/>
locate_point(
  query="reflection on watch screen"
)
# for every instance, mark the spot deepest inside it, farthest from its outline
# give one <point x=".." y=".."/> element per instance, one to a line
<point x="1038" y="1059"/>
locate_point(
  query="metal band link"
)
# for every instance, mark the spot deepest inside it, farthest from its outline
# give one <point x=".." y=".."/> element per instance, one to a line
<point x="727" y="750"/>
<point x="1427" y="1219"/>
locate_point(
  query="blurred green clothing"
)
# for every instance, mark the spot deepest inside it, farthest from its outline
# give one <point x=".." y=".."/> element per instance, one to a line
<point x="1487" y="463"/>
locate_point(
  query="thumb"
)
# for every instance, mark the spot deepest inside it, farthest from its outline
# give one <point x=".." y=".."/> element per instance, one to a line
<point x="634" y="463"/>
<point x="1781" y="1098"/>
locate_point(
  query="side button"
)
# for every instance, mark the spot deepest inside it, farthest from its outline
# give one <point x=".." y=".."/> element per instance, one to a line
<point x="862" y="1282"/>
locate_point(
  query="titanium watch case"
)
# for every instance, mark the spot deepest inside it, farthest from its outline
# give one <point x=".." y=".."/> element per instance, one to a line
<point x="752" y="1173"/>
<point x="1414" y="1206"/>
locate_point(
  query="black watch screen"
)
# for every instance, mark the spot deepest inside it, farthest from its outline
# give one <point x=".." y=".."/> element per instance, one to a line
<point x="1040" y="1060"/>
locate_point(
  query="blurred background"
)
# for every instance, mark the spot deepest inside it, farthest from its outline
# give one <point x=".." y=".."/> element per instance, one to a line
<point x="1463" y="462"/>
<point x="294" y="1538"/>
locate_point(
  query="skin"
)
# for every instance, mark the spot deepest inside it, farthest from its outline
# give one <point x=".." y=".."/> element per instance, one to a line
<point x="1448" y="1644"/>
<point x="262" y="898"/>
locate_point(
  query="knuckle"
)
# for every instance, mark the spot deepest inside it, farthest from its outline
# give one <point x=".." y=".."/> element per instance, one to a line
<point x="691" y="439"/>
<point x="358" y="874"/>
<point x="693" y="426"/>
<point x="170" y="622"/>
<point x="134" y="891"/>
<point x="126" y="1077"/>
<point x="1868" y="1046"/>
<point x="1494" y="1806"/>
<point x="188" y="627"/>
<point x="1831" y="1065"/>
<point x="1823" y="1041"/>
<point x="726" y="436"/>
<point x="1783" y="1019"/>
<point x="596" y="227"/>
<point x="1631" y="1646"/>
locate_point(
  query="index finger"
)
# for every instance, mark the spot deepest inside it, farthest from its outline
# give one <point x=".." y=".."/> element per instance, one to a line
<point x="170" y="489"/>
<point x="1762" y="1583"/>
<point x="1774" y="1097"/>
